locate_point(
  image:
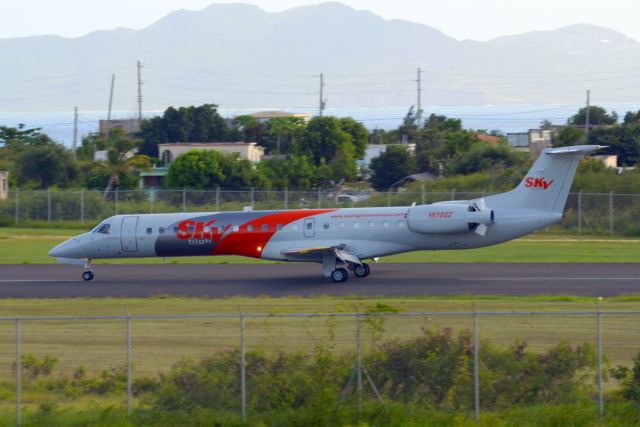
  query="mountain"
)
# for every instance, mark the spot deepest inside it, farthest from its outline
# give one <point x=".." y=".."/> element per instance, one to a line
<point x="239" y="56"/>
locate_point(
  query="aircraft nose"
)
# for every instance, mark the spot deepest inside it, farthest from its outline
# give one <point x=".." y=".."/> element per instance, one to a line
<point x="64" y="250"/>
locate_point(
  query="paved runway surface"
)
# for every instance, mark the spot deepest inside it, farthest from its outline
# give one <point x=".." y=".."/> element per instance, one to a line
<point x="58" y="281"/>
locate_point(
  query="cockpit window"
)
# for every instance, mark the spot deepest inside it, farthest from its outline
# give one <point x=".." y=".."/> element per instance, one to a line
<point x="104" y="229"/>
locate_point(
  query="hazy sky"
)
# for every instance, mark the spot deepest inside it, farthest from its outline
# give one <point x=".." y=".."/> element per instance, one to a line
<point x="462" y="19"/>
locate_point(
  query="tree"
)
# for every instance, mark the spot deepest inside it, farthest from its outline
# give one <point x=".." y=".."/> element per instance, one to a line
<point x="206" y="169"/>
<point x="120" y="158"/>
<point x="46" y="165"/>
<point x="295" y="173"/>
<point x="391" y="166"/>
<point x="277" y="135"/>
<point x="359" y="135"/>
<point x="249" y="126"/>
<point x="631" y="117"/>
<point x="569" y="135"/>
<point x="597" y="116"/>
<point x="322" y="139"/>
<point x="185" y="124"/>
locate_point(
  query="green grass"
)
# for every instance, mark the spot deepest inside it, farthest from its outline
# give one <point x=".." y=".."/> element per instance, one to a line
<point x="30" y="246"/>
<point x="160" y="343"/>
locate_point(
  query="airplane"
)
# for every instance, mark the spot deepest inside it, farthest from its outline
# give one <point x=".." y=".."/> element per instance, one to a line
<point x="338" y="238"/>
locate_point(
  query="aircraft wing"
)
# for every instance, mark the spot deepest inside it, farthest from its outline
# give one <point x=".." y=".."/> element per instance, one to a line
<point x="318" y="253"/>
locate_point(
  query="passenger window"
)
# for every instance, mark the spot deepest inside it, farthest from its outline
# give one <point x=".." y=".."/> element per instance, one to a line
<point x="149" y="230"/>
<point x="265" y="227"/>
<point x="294" y="226"/>
<point x="279" y="227"/>
<point x="400" y="224"/>
<point x="341" y="225"/>
<point x="175" y="229"/>
<point x="161" y="230"/>
<point x="356" y="225"/>
<point x="325" y="225"/>
<point x="385" y="224"/>
<point x="371" y="224"/>
<point x="236" y="228"/>
<point x="249" y="228"/>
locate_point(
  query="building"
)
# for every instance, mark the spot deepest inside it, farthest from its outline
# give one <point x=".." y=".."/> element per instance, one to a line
<point x="4" y="185"/>
<point x="264" y="116"/>
<point x="491" y="139"/>
<point x="374" y="150"/>
<point x="129" y="126"/>
<point x="534" y="141"/>
<point x="245" y="150"/>
<point x="169" y="152"/>
<point x="609" y="161"/>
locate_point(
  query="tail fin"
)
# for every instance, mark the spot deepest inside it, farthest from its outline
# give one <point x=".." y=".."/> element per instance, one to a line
<point x="546" y="186"/>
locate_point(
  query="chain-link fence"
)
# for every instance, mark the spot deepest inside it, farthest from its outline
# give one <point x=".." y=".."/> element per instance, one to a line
<point x="588" y="213"/>
<point x="448" y="359"/>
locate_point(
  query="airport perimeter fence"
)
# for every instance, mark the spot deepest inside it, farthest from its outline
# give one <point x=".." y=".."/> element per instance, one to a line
<point x="365" y="359"/>
<point x="588" y="213"/>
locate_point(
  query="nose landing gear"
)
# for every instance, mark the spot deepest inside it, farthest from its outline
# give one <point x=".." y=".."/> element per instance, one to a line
<point x="88" y="274"/>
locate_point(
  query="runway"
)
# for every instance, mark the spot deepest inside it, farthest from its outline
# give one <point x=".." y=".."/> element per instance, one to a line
<point x="277" y="280"/>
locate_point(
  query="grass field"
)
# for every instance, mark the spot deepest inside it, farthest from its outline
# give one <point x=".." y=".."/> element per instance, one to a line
<point x="30" y="246"/>
<point x="158" y="344"/>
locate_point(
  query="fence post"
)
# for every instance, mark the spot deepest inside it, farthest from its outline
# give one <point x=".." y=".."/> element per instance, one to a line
<point x="48" y="206"/>
<point x="129" y="402"/>
<point x="17" y="205"/>
<point x="286" y="197"/>
<point x="580" y="212"/>
<point x="82" y="206"/>
<point x="599" y="356"/>
<point x="218" y="199"/>
<point x="243" y="379"/>
<point x="184" y="199"/>
<point x="424" y="195"/>
<point x="476" y="368"/>
<point x="319" y="198"/>
<point x="388" y="198"/>
<point x="611" y="213"/>
<point x="359" y="352"/>
<point x="152" y="196"/>
<point x="453" y="194"/>
<point x="18" y="375"/>
<point x="115" y="200"/>
<point x="253" y="197"/>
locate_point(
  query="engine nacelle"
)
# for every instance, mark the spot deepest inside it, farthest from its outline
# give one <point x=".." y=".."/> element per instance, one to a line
<point x="443" y="218"/>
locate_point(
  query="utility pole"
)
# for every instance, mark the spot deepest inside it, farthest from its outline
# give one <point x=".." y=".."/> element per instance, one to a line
<point x="139" y="91"/>
<point x="586" y="121"/>
<point x="419" y="112"/>
<point x="75" y="133"/>
<point x="113" y="83"/>
<point x="322" y="103"/>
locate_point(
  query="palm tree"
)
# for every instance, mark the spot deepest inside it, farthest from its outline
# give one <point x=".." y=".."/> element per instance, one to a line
<point x="121" y="158"/>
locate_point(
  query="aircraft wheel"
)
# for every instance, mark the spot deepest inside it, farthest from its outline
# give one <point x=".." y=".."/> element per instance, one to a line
<point x="87" y="276"/>
<point x="361" y="270"/>
<point x="339" y="275"/>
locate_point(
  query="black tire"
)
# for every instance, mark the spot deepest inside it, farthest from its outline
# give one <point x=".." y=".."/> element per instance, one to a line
<point x="87" y="276"/>
<point x="339" y="275"/>
<point x="361" y="270"/>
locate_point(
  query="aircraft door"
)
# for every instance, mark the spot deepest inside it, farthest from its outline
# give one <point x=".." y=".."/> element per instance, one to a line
<point x="128" y="234"/>
<point x="310" y="227"/>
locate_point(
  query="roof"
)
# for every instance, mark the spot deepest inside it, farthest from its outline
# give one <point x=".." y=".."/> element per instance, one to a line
<point x="489" y="138"/>
<point x="206" y="144"/>
<point x="274" y="114"/>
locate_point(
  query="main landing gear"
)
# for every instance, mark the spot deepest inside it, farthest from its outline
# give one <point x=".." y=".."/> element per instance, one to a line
<point x="88" y="274"/>
<point x="340" y="275"/>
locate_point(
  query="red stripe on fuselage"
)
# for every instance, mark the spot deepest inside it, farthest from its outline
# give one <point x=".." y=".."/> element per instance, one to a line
<point x="252" y="243"/>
